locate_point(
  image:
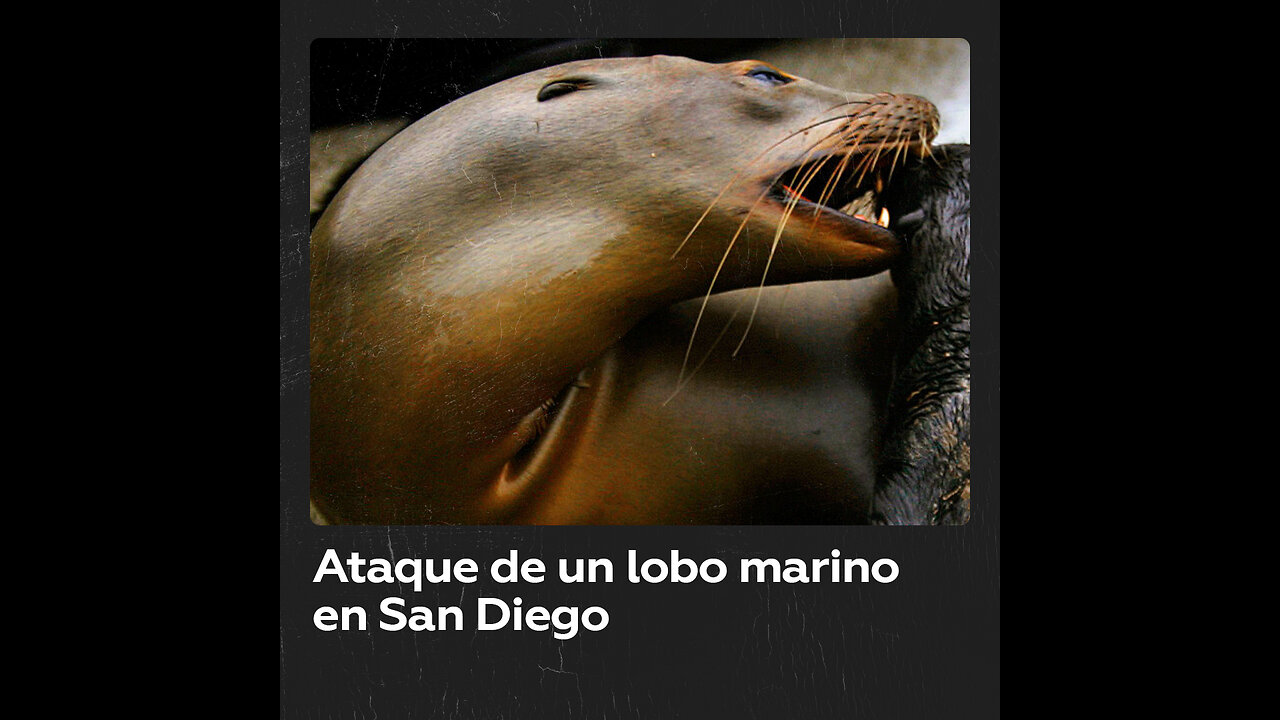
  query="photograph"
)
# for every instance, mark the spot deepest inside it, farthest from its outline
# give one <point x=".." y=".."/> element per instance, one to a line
<point x="639" y="281"/>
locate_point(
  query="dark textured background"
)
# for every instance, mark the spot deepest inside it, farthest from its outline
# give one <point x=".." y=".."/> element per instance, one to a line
<point x="925" y="646"/>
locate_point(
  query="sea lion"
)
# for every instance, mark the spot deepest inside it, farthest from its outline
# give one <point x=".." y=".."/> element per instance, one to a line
<point x="337" y="152"/>
<point x="924" y="472"/>
<point x="476" y="274"/>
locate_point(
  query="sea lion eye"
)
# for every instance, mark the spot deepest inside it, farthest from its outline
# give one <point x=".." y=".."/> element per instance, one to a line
<point x="556" y="88"/>
<point x="769" y="76"/>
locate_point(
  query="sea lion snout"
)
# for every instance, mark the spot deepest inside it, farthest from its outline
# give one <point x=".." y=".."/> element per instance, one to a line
<point x="900" y="110"/>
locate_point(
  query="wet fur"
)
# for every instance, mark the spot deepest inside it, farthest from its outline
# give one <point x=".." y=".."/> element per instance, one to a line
<point x="924" y="473"/>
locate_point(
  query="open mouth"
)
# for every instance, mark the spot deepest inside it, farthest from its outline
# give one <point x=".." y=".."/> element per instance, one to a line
<point x="845" y="188"/>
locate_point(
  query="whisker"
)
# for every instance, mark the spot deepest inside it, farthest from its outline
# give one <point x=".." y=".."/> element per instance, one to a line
<point x="683" y="381"/>
<point x="848" y="102"/>
<point x="723" y="258"/>
<point x="902" y="149"/>
<point x="810" y="173"/>
<point x="773" y="249"/>
<point x="697" y="322"/>
<point x="760" y="291"/>
<point x="832" y="183"/>
<point x="746" y="167"/>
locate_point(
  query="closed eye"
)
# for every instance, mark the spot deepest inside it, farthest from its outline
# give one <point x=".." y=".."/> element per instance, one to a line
<point x="564" y="86"/>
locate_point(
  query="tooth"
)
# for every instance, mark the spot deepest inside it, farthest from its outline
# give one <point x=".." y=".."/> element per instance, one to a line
<point x="884" y="218"/>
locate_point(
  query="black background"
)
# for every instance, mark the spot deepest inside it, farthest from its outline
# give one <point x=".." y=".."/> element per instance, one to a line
<point x="925" y="646"/>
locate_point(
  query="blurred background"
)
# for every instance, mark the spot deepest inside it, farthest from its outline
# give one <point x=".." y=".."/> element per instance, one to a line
<point x="364" y="91"/>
